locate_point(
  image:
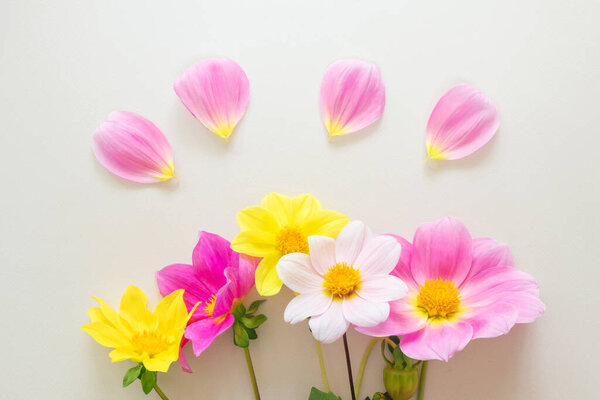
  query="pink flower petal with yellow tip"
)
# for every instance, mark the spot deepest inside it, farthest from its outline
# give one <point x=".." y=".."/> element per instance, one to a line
<point x="132" y="147"/>
<point x="463" y="120"/>
<point x="352" y="96"/>
<point x="216" y="92"/>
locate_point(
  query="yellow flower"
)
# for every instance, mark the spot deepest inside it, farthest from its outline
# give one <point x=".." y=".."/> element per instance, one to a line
<point x="281" y="226"/>
<point x="136" y="333"/>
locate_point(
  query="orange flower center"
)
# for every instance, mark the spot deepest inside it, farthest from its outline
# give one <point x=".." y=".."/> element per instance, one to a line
<point x="209" y="305"/>
<point x="292" y="240"/>
<point x="149" y="342"/>
<point x="341" y="280"/>
<point x="439" y="297"/>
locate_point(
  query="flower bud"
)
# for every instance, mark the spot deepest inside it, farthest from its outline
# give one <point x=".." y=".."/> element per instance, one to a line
<point x="401" y="384"/>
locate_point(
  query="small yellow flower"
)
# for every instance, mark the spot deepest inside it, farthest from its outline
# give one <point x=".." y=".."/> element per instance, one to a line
<point x="136" y="333"/>
<point x="281" y="226"/>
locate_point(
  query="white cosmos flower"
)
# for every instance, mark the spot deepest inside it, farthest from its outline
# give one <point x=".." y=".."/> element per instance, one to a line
<point x="343" y="281"/>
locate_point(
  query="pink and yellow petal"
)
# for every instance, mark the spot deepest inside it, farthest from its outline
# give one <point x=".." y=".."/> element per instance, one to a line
<point x="216" y="92"/>
<point x="463" y="120"/>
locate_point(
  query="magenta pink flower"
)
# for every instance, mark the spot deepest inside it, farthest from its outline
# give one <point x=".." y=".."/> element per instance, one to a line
<point x="218" y="279"/>
<point x="132" y="147"/>
<point x="463" y="120"/>
<point x="352" y="96"/>
<point x="216" y="92"/>
<point x="459" y="289"/>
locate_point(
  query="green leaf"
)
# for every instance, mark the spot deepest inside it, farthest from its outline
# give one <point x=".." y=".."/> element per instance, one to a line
<point x="253" y="322"/>
<point x="316" y="394"/>
<point x="148" y="381"/>
<point x="398" y="357"/>
<point x="251" y="333"/>
<point x="132" y="374"/>
<point x="254" y="306"/>
<point x="239" y="311"/>
<point x="240" y="335"/>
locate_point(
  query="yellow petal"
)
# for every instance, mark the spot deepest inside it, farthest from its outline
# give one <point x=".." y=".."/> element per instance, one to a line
<point x="96" y="315"/>
<point x="171" y="312"/>
<point x="266" y="278"/>
<point x="104" y="334"/>
<point x="257" y="219"/>
<point x="280" y="207"/>
<point x="326" y="223"/>
<point x="133" y="310"/>
<point x="303" y="207"/>
<point x="124" y="353"/>
<point x="254" y="243"/>
<point x="161" y="362"/>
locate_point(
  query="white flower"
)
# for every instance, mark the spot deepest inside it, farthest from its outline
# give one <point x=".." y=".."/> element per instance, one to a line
<point x="343" y="281"/>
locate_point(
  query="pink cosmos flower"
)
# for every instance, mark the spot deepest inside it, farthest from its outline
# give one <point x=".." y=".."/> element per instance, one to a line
<point x="216" y="92"/>
<point x="132" y="147"/>
<point x="343" y="281"/>
<point x="218" y="279"/>
<point x="463" y="120"/>
<point x="352" y="96"/>
<point x="459" y="289"/>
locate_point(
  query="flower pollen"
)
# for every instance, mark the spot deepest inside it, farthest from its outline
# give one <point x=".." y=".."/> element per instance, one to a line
<point x="439" y="297"/>
<point x="149" y="342"/>
<point x="341" y="279"/>
<point x="209" y="305"/>
<point x="292" y="240"/>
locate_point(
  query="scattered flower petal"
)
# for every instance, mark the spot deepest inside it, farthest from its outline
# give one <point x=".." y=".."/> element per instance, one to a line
<point x="352" y="96"/>
<point x="463" y="120"/>
<point x="132" y="147"/>
<point x="216" y="92"/>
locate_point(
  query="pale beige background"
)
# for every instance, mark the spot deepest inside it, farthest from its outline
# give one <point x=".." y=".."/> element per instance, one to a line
<point x="69" y="229"/>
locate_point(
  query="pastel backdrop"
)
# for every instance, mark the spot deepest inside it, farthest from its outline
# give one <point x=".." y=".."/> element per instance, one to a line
<point x="69" y="229"/>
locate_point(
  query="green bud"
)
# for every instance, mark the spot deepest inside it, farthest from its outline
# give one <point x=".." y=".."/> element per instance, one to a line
<point x="401" y="384"/>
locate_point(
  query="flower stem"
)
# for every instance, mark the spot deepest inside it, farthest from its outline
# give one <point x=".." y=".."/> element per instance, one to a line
<point x="421" y="390"/>
<point x="251" y="372"/>
<point x="322" y="365"/>
<point x="363" y="364"/>
<point x="349" y="366"/>
<point x="160" y="392"/>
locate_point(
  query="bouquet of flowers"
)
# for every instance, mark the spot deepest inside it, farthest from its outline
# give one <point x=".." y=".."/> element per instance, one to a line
<point x="420" y="300"/>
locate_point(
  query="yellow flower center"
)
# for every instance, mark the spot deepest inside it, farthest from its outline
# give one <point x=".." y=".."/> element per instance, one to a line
<point x="439" y="298"/>
<point x="149" y="342"/>
<point x="209" y="305"/>
<point x="292" y="240"/>
<point x="342" y="279"/>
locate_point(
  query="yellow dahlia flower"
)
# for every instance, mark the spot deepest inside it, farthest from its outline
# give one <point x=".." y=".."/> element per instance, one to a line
<point x="136" y="333"/>
<point x="281" y="226"/>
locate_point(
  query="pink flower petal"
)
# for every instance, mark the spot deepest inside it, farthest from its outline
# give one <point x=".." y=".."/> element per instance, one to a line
<point x="379" y="255"/>
<point x="437" y="341"/>
<point x="441" y="250"/>
<point x="211" y="256"/>
<point x="203" y="332"/>
<point x="463" y="120"/>
<point x="216" y="92"/>
<point x="361" y="312"/>
<point x="402" y="269"/>
<point x="382" y="288"/>
<point x="182" y="359"/>
<point x="350" y="242"/>
<point x="306" y="305"/>
<point x="492" y="320"/>
<point x="488" y="253"/>
<point x="322" y="253"/>
<point x="352" y="96"/>
<point x="183" y="276"/>
<point x="331" y="325"/>
<point x="403" y="319"/>
<point x="132" y="147"/>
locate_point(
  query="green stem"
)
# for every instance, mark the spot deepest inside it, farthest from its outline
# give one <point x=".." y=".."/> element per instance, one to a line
<point x="363" y="364"/>
<point x="251" y="372"/>
<point x="421" y="390"/>
<point x="160" y="392"/>
<point x="322" y="365"/>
